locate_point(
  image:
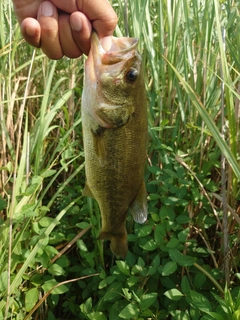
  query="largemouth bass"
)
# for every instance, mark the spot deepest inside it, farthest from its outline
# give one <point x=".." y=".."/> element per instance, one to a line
<point x="114" y="120"/>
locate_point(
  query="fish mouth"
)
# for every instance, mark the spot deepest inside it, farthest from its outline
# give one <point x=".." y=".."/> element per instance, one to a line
<point x="121" y="49"/>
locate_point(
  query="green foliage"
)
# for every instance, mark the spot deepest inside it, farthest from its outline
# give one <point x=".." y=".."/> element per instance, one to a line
<point x="51" y="265"/>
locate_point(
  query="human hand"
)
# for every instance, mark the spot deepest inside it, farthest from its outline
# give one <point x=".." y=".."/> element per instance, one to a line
<point x="63" y="27"/>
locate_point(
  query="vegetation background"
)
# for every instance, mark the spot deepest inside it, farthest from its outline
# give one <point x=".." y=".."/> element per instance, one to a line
<point x="184" y="262"/>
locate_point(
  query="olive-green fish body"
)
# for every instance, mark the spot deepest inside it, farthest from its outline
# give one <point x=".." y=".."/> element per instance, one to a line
<point x="114" y="119"/>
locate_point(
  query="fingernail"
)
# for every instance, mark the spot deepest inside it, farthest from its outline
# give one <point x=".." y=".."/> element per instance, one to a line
<point x="106" y="43"/>
<point x="76" y="23"/>
<point x="47" y="9"/>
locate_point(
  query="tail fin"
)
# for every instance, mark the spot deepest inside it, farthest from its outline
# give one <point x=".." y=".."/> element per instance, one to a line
<point x="118" y="244"/>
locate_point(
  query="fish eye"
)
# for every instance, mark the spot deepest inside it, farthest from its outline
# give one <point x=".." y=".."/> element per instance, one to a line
<point x="131" y="75"/>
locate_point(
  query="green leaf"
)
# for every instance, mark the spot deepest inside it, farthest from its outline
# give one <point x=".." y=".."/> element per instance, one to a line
<point x="199" y="280"/>
<point x="87" y="306"/>
<point x="45" y="221"/>
<point x="3" y="203"/>
<point x="147" y="300"/>
<point x="129" y="312"/>
<point x="144" y="231"/>
<point x="141" y="262"/>
<point x="159" y="234"/>
<point x="83" y="225"/>
<point x="182" y="259"/>
<point x="154" y="196"/>
<point x="216" y="316"/>
<point x="116" y="308"/>
<point x="167" y="213"/>
<point x="173" y="294"/>
<point x="180" y="315"/>
<point x="183" y="235"/>
<point x="81" y="245"/>
<point x="173" y="243"/>
<point x="150" y="245"/>
<point x="3" y="281"/>
<point x="31" y="189"/>
<point x="97" y="316"/>
<point x="29" y="210"/>
<point x="168" y="201"/>
<point x="56" y="237"/>
<point x="51" y="251"/>
<point x="114" y="292"/>
<point x="48" y="173"/>
<point x="200" y="301"/>
<point x="56" y="270"/>
<point x="123" y="267"/>
<point x="154" y="169"/>
<point x="102" y="284"/>
<point x="185" y="285"/>
<point x="60" y="289"/>
<point x="169" y="268"/>
<point x="36" y="279"/>
<point x="127" y="294"/>
<point x="132" y="280"/>
<point x="31" y="298"/>
<point x="236" y="315"/>
<point x="182" y="219"/>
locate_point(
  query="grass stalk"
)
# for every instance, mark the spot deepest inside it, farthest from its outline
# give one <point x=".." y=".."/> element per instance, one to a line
<point x="224" y="181"/>
<point x="217" y="285"/>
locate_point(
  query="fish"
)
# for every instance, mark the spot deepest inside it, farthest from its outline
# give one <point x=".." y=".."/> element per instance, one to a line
<point x="115" y="135"/>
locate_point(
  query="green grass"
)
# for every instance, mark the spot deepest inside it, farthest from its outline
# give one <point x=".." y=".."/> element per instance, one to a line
<point x="184" y="262"/>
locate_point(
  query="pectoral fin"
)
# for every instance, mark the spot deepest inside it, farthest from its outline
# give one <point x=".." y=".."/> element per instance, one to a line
<point x="138" y="207"/>
<point x="99" y="145"/>
<point x="113" y="116"/>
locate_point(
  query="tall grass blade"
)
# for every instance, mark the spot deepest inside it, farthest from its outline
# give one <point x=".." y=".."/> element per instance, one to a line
<point x="209" y="123"/>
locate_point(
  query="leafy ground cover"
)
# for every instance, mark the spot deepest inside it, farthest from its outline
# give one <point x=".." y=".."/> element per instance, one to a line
<point x="184" y="262"/>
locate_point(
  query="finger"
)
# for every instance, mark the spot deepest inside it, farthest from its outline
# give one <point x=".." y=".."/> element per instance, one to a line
<point x="48" y="20"/>
<point x="81" y="31"/>
<point x="26" y="8"/>
<point x="100" y="13"/>
<point x="68" y="6"/>
<point x="106" y="43"/>
<point x="68" y="45"/>
<point x="31" y="31"/>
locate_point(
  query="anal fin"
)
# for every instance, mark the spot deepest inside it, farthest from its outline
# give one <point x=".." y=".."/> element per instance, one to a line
<point x="87" y="191"/>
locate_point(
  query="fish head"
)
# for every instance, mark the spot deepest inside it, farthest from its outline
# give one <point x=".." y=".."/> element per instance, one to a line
<point x="115" y="76"/>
